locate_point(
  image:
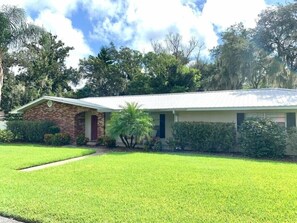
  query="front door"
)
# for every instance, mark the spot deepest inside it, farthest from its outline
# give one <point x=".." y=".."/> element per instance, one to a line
<point x="94" y="124"/>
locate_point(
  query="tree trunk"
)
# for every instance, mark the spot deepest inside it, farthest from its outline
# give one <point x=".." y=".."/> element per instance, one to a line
<point x="123" y="140"/>
<point x="1" y="78"/>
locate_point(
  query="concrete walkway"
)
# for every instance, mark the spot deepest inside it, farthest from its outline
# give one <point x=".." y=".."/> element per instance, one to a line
<point x="8" y="220"/>
<point x="59" y="163"/>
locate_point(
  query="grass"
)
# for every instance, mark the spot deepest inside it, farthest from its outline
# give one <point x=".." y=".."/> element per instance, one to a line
<point x="143" y="187"/>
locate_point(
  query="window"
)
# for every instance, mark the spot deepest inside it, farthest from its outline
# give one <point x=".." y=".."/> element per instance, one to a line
<point x="291" y="119"/>
<point x="277" y="117"/>
<point x="240" y="119"/>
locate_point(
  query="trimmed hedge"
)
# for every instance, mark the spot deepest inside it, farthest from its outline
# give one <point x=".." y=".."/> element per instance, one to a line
<point x="57" y="139"/>
<point x="204" y="136"/>
<point x="31" y="131"/>
<point x="261" y="137"/>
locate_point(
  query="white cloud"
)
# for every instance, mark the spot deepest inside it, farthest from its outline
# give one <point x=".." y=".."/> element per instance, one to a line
<point x="61" y="26"/>
<point x="225" y="13"/>
<point x="135" y="22"/>
<point x="139" y="21"/>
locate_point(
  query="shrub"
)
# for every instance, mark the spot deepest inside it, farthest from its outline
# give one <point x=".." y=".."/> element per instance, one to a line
<point x="109" y="142"/>
<point x="58" y="139"/>
<point x="204" y="136"/>
<point x="171" y="143"/>
<point x="81" y="140"/>
<point x="13" y="117"/>
<point x="61" y="139"/>
<point x="48" y="139"/>
<point x="100" y="141"/>
<point x="292" y="140"/>
<point x="31" y="131"/>
<point x="153" y="144"/>
<point x="260" y="137"/>
<point x="6" y="136"/>
<point x="53" y="129"/>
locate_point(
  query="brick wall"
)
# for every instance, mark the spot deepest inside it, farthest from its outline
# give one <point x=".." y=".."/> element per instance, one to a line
<point x="69" y="118"/>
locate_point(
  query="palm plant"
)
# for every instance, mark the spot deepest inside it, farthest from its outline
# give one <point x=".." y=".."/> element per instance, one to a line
<point x="14" y="32"/>
<point x="130" y="124"/>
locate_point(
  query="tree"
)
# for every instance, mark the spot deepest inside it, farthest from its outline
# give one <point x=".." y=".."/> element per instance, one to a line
<point x="231" y="58"/>
<point x="174" y="45"/>
<point x="14" y="31"/>
<point x="110" y="71"/>
<point x="130" y="124"/>
<point x="276" y="33"/>
<point x="167" y="74"/>
<point x="44" y="68"/>
<point x="12" y="91"/>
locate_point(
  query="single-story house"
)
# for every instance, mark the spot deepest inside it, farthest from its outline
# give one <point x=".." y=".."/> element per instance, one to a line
<point x="89" y="115"/>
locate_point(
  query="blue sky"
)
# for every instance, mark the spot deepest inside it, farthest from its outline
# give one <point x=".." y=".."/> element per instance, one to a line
<point x="87" y="25"/>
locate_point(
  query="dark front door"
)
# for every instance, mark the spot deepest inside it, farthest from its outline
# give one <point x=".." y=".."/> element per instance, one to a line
<point x="94" y="124"/>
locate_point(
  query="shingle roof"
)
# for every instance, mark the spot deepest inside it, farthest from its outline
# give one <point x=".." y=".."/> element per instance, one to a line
<point x="254" y="99"/>
<point x="211" y="100"/>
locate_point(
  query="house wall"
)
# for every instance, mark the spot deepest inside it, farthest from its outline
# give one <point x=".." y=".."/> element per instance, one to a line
<point x="69" y="118"/>
<point x="169" y="120"/>
<point x="207" y="116"/>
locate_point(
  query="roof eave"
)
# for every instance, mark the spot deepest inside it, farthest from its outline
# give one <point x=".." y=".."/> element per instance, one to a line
<point x="60" y="100"/>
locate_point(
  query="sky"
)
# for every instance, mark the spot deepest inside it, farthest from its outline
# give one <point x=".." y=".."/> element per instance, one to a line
<point x="87" y="25"/>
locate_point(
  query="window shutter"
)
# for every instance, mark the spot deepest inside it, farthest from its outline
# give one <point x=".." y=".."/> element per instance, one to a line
<point x="162" y="126"/>
<point x="291" y="119"/>
<point x="240" y="119"/>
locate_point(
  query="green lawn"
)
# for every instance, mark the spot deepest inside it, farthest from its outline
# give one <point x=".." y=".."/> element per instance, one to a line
<point x="143" y="187"/>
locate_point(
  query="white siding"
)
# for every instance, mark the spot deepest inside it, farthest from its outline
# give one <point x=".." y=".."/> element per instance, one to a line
<point x="210" y="116"/>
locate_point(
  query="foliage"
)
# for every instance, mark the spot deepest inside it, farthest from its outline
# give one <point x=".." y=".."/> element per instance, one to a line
<point x="292" y="139"/>
<point x="170" y="142"/>
<point x="204" y="136"/>
<point x="109" y="72"/>
<point x="232" y="58"/>
<point x="57" y="139"/>
<point x="100" y="141"/>
<point x="126" y="71"/>
<point x="262" y="57"/>
<point x="153" y="144"/>
<point x="260" y="137"/>
<point x="6" y="136"/>
<point x="109" y="142"/>
<point x="48" y="138"/>
<point x="44" y="69"/>
<point x="166" y="182"/>
<point x="166" y="74"/>
<point x="14" y="117"/>
<point x="30" y="131"/>
<point x="130" y="124"/>
<point x="275" y="33"/>
<point x="61" y="139"/>
<point x="81" y="140"/>
<point x="14" y="31"/>
<point x="173" y="45"/>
